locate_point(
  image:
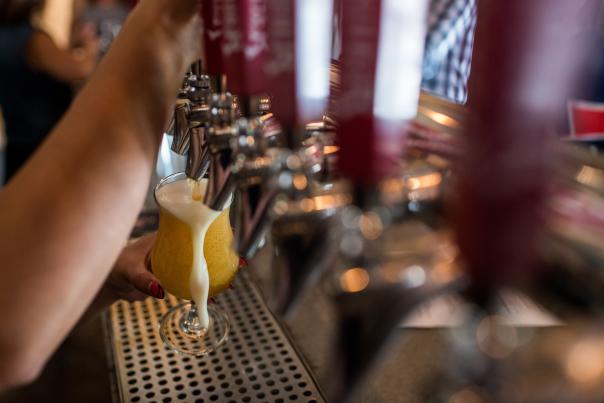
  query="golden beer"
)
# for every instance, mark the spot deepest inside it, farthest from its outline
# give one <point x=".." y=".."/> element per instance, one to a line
<point x="172" y="255"/>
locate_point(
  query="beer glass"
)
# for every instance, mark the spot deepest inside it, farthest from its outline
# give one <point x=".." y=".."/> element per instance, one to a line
<point x="172" y="262"/>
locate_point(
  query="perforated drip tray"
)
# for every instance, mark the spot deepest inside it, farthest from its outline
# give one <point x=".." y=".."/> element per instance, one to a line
<point x="257" y="363"/>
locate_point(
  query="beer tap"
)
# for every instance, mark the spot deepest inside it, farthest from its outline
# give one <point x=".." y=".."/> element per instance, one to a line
<point x="198" y="120"/>
<point x="190" y="118"/>
<point x="519" y="208"/>
<point x="299" y="208"/>
<point x="182" y="98"/>
<point x="506" y="175"/>
<point x="373" y="290"/>
<point x="238" y="146"/>
<point x="193" y="116"/>
<point x="242" y="51"/>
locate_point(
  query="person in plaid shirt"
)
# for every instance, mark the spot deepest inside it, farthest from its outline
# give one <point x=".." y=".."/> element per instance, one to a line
<point x="448" y="49"/>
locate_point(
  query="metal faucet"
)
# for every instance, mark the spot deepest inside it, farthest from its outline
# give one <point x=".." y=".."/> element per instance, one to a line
<point x="278" y="188"/>
<point x="223" y="146"/>
<point x="191" y="119"/>
<point x="218" y="151"/>
<point x="254" y="164"/>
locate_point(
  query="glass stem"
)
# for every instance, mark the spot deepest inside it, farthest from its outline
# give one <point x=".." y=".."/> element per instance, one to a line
<point x="191" y="320"/>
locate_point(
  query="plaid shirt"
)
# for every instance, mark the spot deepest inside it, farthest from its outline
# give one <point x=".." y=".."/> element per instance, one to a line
<point x="448" y="52"/>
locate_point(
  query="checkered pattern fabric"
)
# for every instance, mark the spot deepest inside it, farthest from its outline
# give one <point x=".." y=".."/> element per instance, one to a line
<point x="448" y="52"/>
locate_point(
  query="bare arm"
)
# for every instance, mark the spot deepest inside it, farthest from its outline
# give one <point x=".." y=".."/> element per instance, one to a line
<point x="65" y="217"/>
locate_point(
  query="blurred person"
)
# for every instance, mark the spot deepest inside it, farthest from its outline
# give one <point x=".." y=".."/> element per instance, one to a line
<point x="67" y="214"/>
<point x="448" y="48"/>
<point x="37" y="78"/>
<point x="107" y="18"/>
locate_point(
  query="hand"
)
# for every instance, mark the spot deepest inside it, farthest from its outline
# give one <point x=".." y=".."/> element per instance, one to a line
<point x="87" y="51"/>
<point x="131" y="278"/>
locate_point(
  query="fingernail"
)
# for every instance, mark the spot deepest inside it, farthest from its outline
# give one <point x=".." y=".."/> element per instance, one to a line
<point x="156" y="290"/>
<point x="211" y="301"/>
<point x="231" y="286"/>
<point x="242" y="263"/>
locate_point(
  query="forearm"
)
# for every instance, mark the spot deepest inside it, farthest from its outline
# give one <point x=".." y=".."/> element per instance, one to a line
<point x="66" y="216"/>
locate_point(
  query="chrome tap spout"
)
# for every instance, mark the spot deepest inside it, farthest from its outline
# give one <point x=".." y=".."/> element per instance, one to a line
<point x="181" y="141"/>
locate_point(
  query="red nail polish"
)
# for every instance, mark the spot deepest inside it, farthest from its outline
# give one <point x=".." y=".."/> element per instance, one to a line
<point x="156" y="290"/>
<point x="242" y="263"/>
<point x="231" y="286"/>
<point x="211" y="301"/>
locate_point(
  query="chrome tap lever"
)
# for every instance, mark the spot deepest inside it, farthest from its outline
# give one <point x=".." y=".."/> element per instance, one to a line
<point x="198" y="160"/>
<point x="180" y="144"/>
<point x="183" y="98"/>
<point x="198" y="118"/>
<point x="189" y="107"/>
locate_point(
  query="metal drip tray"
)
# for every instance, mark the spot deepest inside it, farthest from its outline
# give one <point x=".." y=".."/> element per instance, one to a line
<point x="257" y="364"/>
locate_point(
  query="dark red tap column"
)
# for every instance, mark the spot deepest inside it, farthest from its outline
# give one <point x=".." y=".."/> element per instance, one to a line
<point x="281" y="63"/>
<point x="245" y="45"/>
<point x="358" y="157"/>
<point x="380" y="75"/>
<point x="300" y="37"/>
<point x="212" y="14"/>
<point x="524" y="65"/>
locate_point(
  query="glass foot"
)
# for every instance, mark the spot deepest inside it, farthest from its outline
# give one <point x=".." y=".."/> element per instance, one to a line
<point x="180" y="330"/>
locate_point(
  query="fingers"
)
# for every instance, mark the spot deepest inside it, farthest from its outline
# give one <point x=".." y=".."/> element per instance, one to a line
<point x="134" y="265"/>
<point x="140" y="275"/>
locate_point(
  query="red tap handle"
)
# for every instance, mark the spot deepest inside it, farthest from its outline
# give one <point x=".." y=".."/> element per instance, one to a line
<point x="281" y="62"/>
<point x="244" y="45"/>
<point x="300" y="37"/>
<point x="358" y="158"/>
<point x="380" y="84"/>
<point x="211" y="11"/>
<point x="524" y="66"/>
